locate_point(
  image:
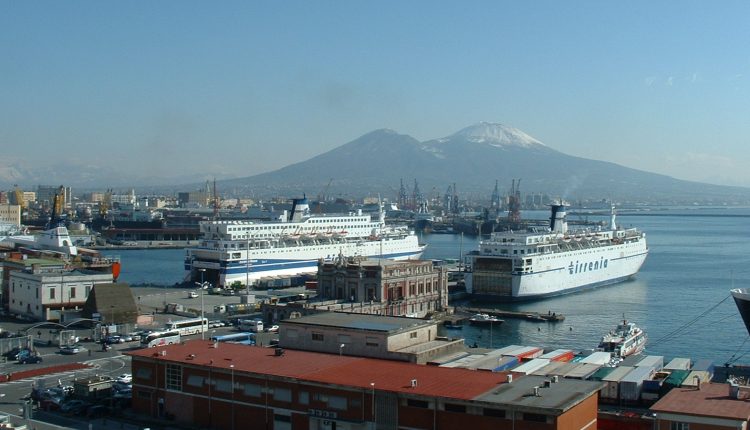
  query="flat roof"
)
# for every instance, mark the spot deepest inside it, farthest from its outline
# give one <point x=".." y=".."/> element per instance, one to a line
<point x="359" y="322"/>
<point x="712" y="400"/>
<point x="333" y="369"/>
<point x="558" y="397"/>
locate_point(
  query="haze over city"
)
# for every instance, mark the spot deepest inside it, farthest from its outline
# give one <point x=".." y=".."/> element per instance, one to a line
<point x="236" y="89"/>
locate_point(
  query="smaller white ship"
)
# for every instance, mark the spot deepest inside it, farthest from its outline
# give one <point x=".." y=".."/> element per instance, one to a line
<point x="627" y="339"/>
<point x="485" y="319"/>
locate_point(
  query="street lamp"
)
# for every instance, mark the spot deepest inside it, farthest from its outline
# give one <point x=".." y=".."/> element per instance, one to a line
<point x="374" y="419"/>
<point x="341" y="349"/>
<point x="231" y="367"/>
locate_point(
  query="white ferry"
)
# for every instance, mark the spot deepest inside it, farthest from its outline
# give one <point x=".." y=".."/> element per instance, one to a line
<point x="532" y="265"/>
<point x="242" y="252"/>
<point x="627" y="339"/>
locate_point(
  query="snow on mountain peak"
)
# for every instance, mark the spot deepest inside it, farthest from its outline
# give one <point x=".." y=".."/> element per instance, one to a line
<point x="495" y="134"/>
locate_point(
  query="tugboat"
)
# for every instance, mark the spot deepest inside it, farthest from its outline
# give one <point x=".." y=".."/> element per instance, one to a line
<point x="627" y="339"/>
<point x="485" y="319"/>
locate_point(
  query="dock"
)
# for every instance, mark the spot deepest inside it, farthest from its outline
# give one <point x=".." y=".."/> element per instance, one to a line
<point x="549" y="316"/>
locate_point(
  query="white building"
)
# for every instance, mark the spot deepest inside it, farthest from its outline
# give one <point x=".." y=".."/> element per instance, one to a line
<point x="11" y="214"/>
<point x="42" y="295"/>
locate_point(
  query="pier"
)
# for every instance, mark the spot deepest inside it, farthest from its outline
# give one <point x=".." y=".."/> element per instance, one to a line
<point x="549" y="316"/>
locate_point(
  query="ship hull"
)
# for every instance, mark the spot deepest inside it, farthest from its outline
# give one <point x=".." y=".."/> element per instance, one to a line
<point x="225" y="269"/>
<point x="742" y="300"/>
<point x="560" y="273"/>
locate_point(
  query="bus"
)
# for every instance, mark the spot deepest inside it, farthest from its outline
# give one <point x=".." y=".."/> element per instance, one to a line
<point x="254" y="326"/>
<point x="189" y="326"/>
<point x="236" y="337"/>
<point x="160" y="338"/>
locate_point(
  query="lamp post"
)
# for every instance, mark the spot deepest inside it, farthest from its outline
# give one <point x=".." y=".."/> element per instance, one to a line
<point x="203" y="332"/>
<point x="374" y="418"/>
<point x="341" y="349"/>
<point x="231" y="367"/>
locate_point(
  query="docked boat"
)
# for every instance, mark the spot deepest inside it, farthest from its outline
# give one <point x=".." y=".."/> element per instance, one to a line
<point x="243" y="252"/>
<point x="540" y="263"/>
<point x="742" y="300"/>
<point x="485" y="319"/>
<point x="627" y="339"/>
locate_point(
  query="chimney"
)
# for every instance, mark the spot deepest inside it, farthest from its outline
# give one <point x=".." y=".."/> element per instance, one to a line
<point x="536" y="392"/>
<point x="510" y="378"/>
<point x="547" y="384"/>
<point x="555" y="379"/>
<point x="414" y="383"/>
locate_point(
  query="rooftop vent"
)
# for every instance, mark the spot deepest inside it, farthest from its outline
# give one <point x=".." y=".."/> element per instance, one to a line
<point x="278" y="352"/>
<point x="547" y="384"/>
<point x="163" y="352"/>
<point x="510" y="378"/>
<point x="536" y="392"/>
<point x="414" y="383"/>
<point x="555" y="379"/>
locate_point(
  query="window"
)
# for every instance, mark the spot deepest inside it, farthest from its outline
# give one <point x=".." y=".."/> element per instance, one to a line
<point x="143" y="373"/>
<point x="452" y="407"/>
<point x="195" y="381"/>
<point x="253" y="390"/>
<point x="371" y="341"/>
<point x="223" y="385"/>
<point x="679" y="426"/>
<point x="282" y="394"/>
<point x="51" y="293"/>
<point x="343" y="338"/>
<point x="72" y="292"/>
<point x="413" y="335"/>
<point x="417" y="403"/>
<point x="174" y="377"/>
<point x="282" y="418"/>
<point x="497" y="413"/>
<point x="538" y="418"/>
<point x="317" y="337"/>
<point x="303" y="398"/>
<point x="337" y="402"/>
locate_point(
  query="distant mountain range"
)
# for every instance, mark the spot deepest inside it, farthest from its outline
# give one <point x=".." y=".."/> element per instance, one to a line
<point x="473" y="158"/>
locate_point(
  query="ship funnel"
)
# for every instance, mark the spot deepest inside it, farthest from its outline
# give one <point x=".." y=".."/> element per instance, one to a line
<point x="612" y="215"/>
<point x="557" y="222"/>
<point x="300" y="210"/>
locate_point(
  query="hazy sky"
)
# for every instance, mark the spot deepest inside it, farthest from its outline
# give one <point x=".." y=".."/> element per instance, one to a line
<point x="244" y="87"/>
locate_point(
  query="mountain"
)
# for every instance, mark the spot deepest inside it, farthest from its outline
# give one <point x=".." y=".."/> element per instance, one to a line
<point x="473" y="158"/>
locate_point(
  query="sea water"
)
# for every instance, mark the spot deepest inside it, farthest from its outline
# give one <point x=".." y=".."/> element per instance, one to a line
<point x="680" y="297"/>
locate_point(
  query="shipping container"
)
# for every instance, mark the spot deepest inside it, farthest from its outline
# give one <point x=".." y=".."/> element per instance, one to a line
<point x="582" y="371"/>
<point x="694" y="377"/>
<point x="632" y="383"/>
<point x="565" y="368"/>
<point x="674" y="380"/>
<point x="611" y="390"/>
<point x="599" y="357"/>
<point x="530" y="366"/>
<point x="655" y="361"/>
<point x="601" y="373"/>
<point x="506" y="363"/>
<point x="559" y="355"/>
<point x="447" y="358"/>
<point x="464" y="361"/>
<point x="678" y="364"/>
<point x="526" y="352"/>
<point x="548" y="369"/>
<point x="705" y="365"/>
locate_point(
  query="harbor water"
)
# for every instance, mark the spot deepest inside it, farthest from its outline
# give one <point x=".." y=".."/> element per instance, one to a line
<point x="680" y="297"/>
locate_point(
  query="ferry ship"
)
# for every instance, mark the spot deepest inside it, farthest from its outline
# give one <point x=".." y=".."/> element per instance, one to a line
<point x="536" y="264"/>
<point x="242" y="252"/>
<point x="627" y="339"/>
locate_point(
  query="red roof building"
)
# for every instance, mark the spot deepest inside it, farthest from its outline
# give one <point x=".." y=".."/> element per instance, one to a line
<point x="228" y="386"/>
<point x="711" y="406"/>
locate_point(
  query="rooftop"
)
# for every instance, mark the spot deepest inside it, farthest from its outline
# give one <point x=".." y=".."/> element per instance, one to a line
<point x="712" y="400"/>
<point x="559" y="396"/>
<point x="393" y="376"/>
<point x="359" y="322"/>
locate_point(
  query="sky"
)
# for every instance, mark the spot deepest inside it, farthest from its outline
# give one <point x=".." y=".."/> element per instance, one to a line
<point x="237" y="88"/>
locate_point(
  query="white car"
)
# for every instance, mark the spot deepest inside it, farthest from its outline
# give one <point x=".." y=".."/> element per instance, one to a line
<point x="192" y="295"/>
<point x="273" y="329"/>
<point x="125" y="378"/>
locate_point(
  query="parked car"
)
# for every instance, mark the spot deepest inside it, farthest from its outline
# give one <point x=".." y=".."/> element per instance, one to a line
<point x="114" y="338"/>
<point x="21" y="354"/>
<point x="192" y="295"/>
<point x="126" y="378"/>
<point x="273" y="329"/>
<point x="12" y="353"/>
<point x="74" y="406"/>
<point x="70" y="349"/>
<point x="31" y="359"/>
